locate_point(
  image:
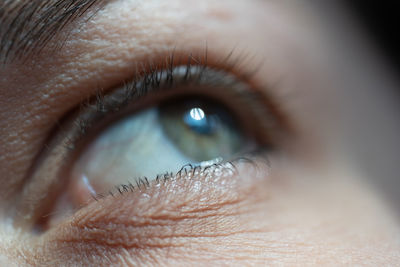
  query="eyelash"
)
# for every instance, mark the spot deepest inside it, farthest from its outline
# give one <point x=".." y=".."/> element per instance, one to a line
<point x="158" y="78"/>
<point x="227" y="168"/>
<point x="149" y="80"/>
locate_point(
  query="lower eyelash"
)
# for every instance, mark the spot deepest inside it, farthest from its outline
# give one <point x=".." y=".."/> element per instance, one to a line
<point x="188" y="171"/>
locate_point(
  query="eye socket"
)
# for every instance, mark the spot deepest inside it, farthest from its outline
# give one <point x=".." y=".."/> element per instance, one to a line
<point x="171" y="116"/>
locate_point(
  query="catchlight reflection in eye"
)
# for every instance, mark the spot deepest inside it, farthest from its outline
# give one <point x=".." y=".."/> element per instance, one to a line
<point x="196" y="120"/>
<point x="158" y="140"/>
<point x="197" y="114"/>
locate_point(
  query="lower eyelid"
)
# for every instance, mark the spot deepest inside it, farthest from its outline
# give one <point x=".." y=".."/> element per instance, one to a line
<point x="198" y="186"/>
<point x="134" y="220"/>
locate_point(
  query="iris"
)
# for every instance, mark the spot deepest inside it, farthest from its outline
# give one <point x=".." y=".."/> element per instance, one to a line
<point x="202" y="129"/>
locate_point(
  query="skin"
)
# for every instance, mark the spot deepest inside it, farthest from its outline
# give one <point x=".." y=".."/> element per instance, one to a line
<point x="310" y="206"/>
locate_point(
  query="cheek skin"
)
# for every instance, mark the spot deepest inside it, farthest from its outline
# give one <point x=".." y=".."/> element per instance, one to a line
<point x="245" y="219"/>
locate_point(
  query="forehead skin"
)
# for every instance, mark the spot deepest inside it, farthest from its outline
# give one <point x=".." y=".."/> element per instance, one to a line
<point x="294" y="218"/>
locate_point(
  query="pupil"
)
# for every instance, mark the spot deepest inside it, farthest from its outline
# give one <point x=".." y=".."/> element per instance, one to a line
<point x="197" y="120"/>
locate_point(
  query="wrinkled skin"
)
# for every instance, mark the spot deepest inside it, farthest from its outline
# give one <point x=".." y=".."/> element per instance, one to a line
<point x="315" y="207"/>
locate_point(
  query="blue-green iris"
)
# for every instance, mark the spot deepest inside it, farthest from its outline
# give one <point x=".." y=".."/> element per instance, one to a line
<point x="201" y="130"/>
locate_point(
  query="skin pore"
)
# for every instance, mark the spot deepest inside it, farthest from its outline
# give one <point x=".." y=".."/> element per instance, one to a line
<point x="308" y="206"/>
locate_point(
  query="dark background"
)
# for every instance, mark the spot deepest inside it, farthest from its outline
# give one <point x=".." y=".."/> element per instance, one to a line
<point x="381" y="22"/>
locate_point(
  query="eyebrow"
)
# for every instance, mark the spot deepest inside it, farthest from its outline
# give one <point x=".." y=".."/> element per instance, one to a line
<point x="27" y="26"/>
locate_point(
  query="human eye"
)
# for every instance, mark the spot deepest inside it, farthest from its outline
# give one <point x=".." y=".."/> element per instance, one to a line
<point x="179" y="120"/>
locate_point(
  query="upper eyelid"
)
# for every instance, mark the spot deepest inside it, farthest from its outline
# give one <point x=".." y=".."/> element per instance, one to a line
<point x="148" y="78"/>
<point x="104" y="101"/>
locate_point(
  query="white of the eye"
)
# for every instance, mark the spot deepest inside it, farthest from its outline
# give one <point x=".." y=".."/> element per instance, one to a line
<point x="197" y="114"/>
<point x="133" y="147"/>
<point x="88" y="185"/>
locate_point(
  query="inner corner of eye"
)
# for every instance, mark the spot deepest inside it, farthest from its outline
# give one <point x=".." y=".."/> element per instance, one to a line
<point x="160" y="139"/>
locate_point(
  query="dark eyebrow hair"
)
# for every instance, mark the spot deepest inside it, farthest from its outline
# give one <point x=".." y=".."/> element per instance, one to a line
<point x="27" y="26"/>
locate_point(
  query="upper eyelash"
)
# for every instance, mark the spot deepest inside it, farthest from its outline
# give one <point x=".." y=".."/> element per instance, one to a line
<point x="148" y="78"/>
